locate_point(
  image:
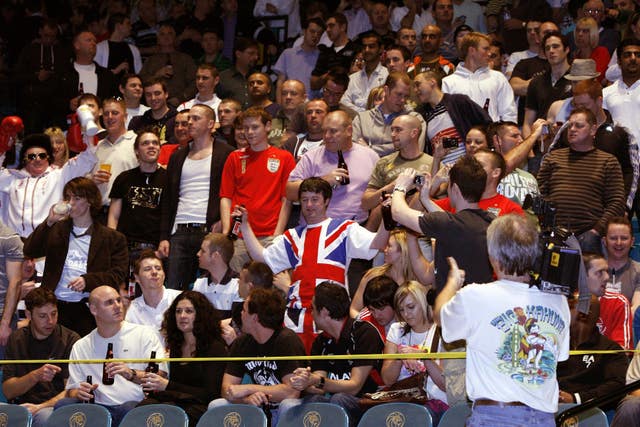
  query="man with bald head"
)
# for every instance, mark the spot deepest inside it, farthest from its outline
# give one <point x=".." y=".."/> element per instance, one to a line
<point x="405" y="136"/>
<point x="430" y="58"/>
<point x="323" y="162"/>
<point x="129" y="341"/>
<point x="289" y="120"/>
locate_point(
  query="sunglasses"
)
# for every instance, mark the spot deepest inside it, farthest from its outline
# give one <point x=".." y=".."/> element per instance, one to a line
<point x="31" y="157"/>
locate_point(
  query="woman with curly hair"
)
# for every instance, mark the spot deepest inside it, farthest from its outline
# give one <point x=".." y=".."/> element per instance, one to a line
<point x="191" y="329"/>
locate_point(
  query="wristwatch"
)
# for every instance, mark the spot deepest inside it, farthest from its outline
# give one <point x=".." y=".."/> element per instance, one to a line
<point x="134" y="375"/>
<point x="320" y="385"/>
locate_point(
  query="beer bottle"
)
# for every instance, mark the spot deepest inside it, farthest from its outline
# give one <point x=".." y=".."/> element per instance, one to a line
<point x="343" y="165"/>
<point x="93" y="398"/>
<point x="106" y="378"/>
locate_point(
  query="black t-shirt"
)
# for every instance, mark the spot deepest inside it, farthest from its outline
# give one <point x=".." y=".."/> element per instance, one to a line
<point x="541" y="93"/>
<point x="22" y="345"/>
<point x="527" y="69"/>
<point x="357" y="337"/>
<point x="329" y="58"/>
<point x="141" y="194"/>
<point x="463" y="236"/>
<point x="283" y="342"/>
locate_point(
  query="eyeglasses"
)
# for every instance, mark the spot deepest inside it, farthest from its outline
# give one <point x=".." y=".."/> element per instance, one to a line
<point x="594" y="11"/>
<point x="493" y="55"/>
<point x="31" y="157"/>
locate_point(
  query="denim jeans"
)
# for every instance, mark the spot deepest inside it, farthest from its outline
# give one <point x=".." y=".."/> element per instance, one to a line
<point x="183" y="259"/>
<point x="509" y="416"/>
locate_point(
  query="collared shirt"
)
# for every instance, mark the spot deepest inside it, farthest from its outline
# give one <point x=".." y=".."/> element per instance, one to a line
<point x="234" y="85"/>
<point x="119" y="155"/>
<point x="360" y="85"/>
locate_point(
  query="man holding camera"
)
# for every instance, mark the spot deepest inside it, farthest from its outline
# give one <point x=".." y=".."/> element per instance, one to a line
<point x="461" y="234"/>
<point x="514" y="343"/>
<point x="405" y="136"/>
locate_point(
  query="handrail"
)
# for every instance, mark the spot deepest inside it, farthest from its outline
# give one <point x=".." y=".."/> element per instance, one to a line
<point x="596" y="401"/>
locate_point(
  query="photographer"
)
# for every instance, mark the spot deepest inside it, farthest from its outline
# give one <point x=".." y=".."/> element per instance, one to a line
<point x="461" y="234"/>
<point x="516" y="341"/>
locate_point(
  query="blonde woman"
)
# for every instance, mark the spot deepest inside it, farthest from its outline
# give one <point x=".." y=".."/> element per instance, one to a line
<point x="403" y="261"/>
<point x="415" y="333"/>
<point x="58" y="145"/>
<point x="587" y="37"/>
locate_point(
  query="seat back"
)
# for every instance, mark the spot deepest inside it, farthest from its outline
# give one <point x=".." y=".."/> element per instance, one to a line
<point x="456" y="415"/>
<point x="14" y="416"/>
<point x="237" y="415"/>
<point x="593" y="417"/>
<point x="80" y="415"/>
<point x="315" y="414"/>
<point x="397" y="415"/>
<point x="158" y="415"/>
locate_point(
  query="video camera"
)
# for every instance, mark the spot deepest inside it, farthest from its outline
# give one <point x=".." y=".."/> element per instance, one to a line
<point x="557" y="269"/>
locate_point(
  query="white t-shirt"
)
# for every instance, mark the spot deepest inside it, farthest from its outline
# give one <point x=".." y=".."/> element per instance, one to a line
<point x="194" y="191"/>
<point x="88" y="77"/>
<point x="131" y="342"/>
<point x="75" y="265"/>
<point x="419" y="340"/>
<point x="515" y="336"/>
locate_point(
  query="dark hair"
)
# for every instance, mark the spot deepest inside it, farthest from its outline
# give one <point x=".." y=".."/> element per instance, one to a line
<point x="35" y="140"/>
<point x="213" y="70"/>
<point x="497" y="161"/>
<point x="87" y="189"/>
<point x="558" y="34"/>
<point x="494" y="128"/>
<point x="259" y="274"/>
<point x="341" y="79"/>
<point x="379" y="292"/>
<point x="155" y="81"/>
<point x="146" y="129"/>
<point x="243" y="43"/>
<point x="145" y="254"/>
<point x="39" y="297"/>
<point x="115" y="19"/>
<point x="315" y="185"/>
<point x="206" y="326"/>
<point x="221" y="243"/>
<point x="406" y="55"/>
<point x="334" y="298"/>
<point x="631" y="41"/>
<point x="589" y="257"/>
<point x="468" y="174"/>
<point x="368" y="35"/>
<point x="89" y="96"/>
<point x="499" y="45"/>
<point x="269" y="305"/>
<point x="591" y="118"/>
<point x="128" y="76"/>
<point x="485" y="131"/>
<point x="319" y="22"/>
<point x="340" y="19"/>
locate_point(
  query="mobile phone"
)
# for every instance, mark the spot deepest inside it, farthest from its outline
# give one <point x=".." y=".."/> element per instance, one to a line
<point x="448" y="142"/>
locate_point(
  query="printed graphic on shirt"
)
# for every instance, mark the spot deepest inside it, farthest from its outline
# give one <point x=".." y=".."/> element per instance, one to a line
<point x="263" y="372"/>
<point x="144" y="197"/>
<point x="529" y="348"/>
